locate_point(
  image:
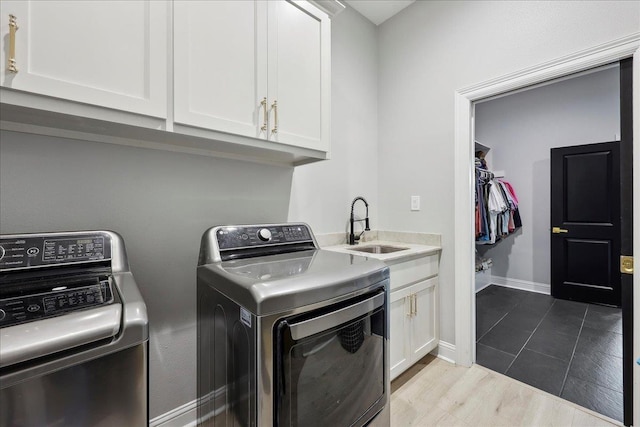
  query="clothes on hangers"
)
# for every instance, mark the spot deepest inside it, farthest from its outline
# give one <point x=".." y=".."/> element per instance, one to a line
<point x="496" y="212"/>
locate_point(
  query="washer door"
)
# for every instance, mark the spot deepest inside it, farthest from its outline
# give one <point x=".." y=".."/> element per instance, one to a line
<point x="330" y="364"/>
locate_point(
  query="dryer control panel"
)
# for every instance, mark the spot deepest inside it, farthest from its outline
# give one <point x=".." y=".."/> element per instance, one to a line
<point x="239" y="237"/>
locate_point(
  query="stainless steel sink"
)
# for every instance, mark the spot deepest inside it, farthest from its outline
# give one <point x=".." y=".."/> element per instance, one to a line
<point x="378" y="249"/>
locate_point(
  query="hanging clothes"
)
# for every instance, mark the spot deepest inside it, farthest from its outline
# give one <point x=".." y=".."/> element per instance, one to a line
<point x="496" y="210"/>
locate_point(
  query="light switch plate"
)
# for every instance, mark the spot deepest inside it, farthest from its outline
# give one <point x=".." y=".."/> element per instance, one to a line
<point x="415" y="203"/>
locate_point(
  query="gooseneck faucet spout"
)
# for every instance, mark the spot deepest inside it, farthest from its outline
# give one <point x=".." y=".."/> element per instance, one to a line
<point x="352" y="237"/>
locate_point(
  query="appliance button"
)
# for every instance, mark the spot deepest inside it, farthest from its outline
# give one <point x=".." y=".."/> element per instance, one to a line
<point x="33" y="251"/>
<point x="33" y="308"/>
<point x="264" y="234"/>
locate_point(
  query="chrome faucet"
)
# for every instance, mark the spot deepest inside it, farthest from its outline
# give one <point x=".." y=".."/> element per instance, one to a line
<point x="352" y="237"/>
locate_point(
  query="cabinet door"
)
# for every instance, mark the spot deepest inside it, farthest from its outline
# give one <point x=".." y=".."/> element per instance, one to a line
<point x="424" y="332"/>
<point x="107" y="53"/>
<point x="299" y="74"/>
<point x="220" y="65"/>
<point x="399" y="345"/>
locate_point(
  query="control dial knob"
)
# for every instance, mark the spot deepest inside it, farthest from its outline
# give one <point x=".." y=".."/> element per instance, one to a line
<point x="1" y="252"/>
<point x="264" y="234"/>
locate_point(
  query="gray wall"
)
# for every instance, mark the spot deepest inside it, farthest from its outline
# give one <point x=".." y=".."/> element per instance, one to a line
<point x="161" y="203"/>
<point x="430" y="50"/>
<point x="521" y="129"/>
<point x="322" y="192"/>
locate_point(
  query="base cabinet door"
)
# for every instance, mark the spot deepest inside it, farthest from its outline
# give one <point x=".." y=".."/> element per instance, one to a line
<point x="107" y="53"/>
<point x="414" y="329"/>
<point x="400" y="354"/>
<point x="424" y="334"/>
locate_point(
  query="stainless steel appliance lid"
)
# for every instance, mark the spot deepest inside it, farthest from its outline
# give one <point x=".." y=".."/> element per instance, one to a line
<point x="71" y="315"/>
<point x="275" y="283"/>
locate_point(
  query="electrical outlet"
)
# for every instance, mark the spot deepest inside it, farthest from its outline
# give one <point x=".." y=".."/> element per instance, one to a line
<point x="415" y="203"/>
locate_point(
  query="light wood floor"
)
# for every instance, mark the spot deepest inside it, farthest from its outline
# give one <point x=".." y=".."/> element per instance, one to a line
<point x="437" y="393"/>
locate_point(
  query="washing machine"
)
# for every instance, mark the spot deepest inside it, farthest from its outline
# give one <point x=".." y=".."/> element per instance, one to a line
<point x="73" y="332"/>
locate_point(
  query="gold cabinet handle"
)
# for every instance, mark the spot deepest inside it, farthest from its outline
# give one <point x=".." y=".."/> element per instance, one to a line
<point x="275" y="117"/>
<point x="405" y="300"/>
<point x="13" y="27"/>
<point x="558" y="230"/>
<point x="415" y="303"/>
<point x="264" y="113"/>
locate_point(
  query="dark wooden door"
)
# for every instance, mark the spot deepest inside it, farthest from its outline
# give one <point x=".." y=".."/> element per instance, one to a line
<point x="626" y="190"/>
<point x="585" y="221"/>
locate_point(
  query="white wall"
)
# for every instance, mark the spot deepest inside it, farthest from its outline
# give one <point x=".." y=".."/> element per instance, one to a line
<point x="431" y="49"/>
<point x="521" y="129"/>
<point x="321" y="193"/>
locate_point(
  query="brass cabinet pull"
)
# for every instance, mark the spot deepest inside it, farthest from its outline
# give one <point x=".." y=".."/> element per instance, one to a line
<point x="264" y="112"/>
<point x="275" y="117"/>
<point x="409" y="314"/>
<point x="558" y="230"/>
<point x="13" y="27"/>
<point x="415" y="303"/>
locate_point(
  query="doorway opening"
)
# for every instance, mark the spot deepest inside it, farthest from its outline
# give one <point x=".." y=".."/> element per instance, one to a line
<point x="464" y="248"/>
<point x="566" y="348"/>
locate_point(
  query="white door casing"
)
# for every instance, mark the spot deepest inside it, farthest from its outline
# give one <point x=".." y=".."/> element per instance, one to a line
<point x="464" y="181"/>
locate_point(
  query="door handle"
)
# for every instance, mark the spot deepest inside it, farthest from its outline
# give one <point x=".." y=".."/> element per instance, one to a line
<point x="312" y="326"/>
<point x="558" y="230"/>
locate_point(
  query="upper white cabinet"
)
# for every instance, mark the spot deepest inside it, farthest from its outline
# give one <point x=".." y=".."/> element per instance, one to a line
<point x="299" y="74"/>
<point x="220" y="65"/>
<point x="107" y="53"/>
<point x="254" y="68"/>
<point x="243" y="79"/>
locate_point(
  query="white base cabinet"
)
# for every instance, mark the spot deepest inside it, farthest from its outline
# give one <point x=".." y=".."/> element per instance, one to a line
<point x="414" y="320"/>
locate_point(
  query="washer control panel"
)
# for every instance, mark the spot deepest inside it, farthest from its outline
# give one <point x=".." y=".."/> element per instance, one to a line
<point x="240" y="237"/>
<point x="49" y="302"/>
<point x="18" y="253"/>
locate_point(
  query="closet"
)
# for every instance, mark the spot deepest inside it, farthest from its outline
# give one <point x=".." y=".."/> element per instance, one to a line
<point x="496" y="210"/>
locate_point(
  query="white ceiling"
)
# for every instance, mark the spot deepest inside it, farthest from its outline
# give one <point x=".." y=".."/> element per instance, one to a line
<point x="378" y="11"/>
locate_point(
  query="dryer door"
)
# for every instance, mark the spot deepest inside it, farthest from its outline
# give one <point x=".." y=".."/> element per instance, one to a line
<point x="330" y="364"/>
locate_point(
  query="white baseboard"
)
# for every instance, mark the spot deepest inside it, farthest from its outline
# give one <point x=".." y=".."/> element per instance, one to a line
<point x="541" y="288"/>
<point x="445" y="351"/>
<point x="182" y="416"/>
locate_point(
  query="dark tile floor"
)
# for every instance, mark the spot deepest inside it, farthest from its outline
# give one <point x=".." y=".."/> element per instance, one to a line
<point x="570" y="349"/>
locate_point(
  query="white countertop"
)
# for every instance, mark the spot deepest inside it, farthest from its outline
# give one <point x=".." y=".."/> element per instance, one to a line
<point x="413" y="250"/>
